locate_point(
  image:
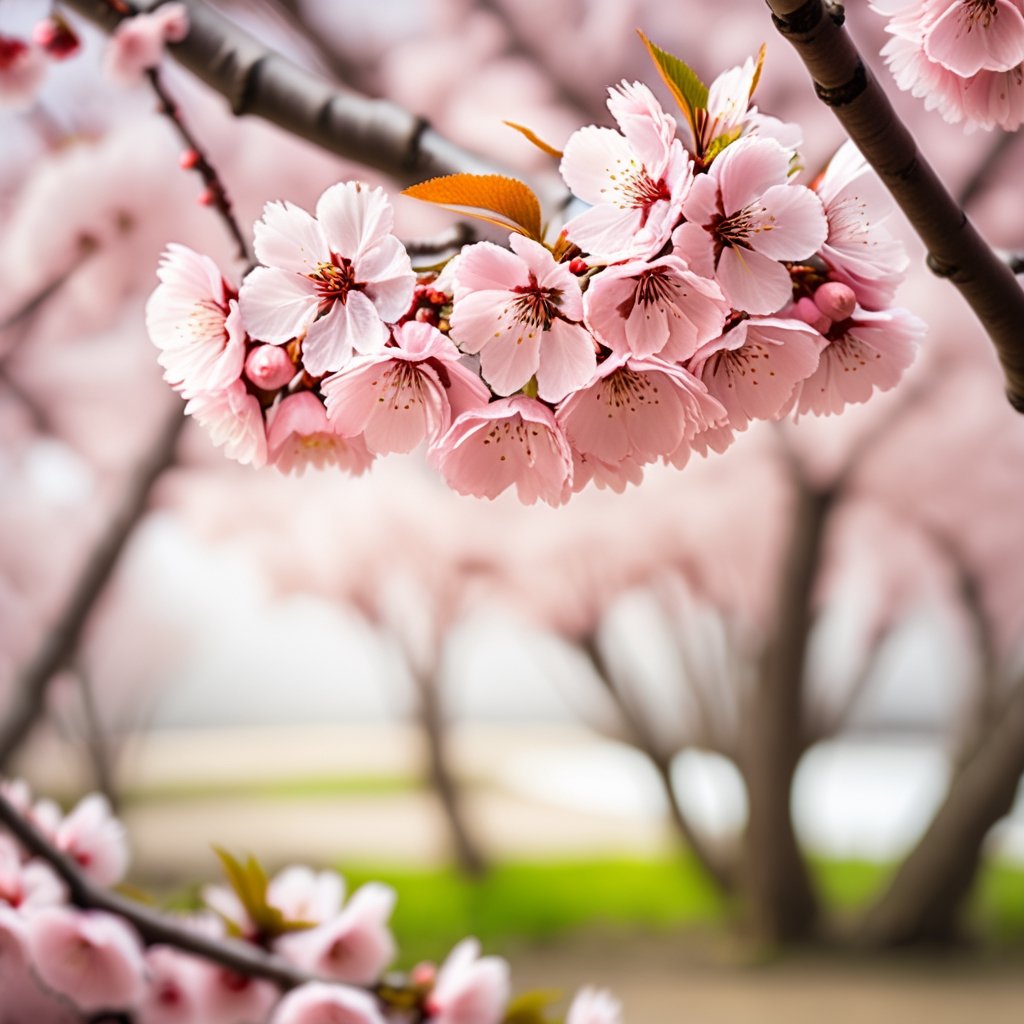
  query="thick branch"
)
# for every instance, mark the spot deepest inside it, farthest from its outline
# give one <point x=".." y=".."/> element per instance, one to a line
<point x="153" y="926"/>
<point x="258" y="81"/>
<point x="61" y="641"/>
<point x="955" y="249"/>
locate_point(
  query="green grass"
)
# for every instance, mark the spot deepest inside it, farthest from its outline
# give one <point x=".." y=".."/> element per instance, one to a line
<point x="532" y="902"/>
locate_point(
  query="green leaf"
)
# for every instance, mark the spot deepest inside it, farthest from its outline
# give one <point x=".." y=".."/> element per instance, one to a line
<point x="719" y="143"/>
<point x="683" y="82"/>
<point x="250" y="883"/>
<point x="507" y="202"/>
<point x="531" y="1007"/>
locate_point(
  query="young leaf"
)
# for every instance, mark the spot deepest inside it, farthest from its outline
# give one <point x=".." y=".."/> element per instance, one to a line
<point x="532" y="136"/>
<point x="507" y="202"/>
<point x="719" y="142"/>
<point x="758" y="68"/>
<point x="689" y="91"/>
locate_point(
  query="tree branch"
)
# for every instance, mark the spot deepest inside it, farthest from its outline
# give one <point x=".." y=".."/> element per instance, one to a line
<point x="153" y="926"/>
<point x="258" y="81"/>
<point x="955" y="249"/>
<point x="62" y="639"/>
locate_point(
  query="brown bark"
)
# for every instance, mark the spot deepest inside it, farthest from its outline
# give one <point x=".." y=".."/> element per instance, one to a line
<point x="776" y="883"/>
<point x="925" y="897"/>
<point x="955" y="249"/>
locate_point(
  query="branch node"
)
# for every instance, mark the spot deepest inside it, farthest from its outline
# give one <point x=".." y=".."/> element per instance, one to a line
<point x="841" y="95"/>
<point x="413" y="152"/>
<point x="837" y="12"/>
<point x="802" y="20"/>
<point x="940" y="268"/>
<point x="1016" y="400"/>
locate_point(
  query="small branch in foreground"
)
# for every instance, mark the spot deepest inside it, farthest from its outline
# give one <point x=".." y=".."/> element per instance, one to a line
<point x="62" y="638"/>
<point x="955" y="249"/>
<point x="216" y="195"/>
<point x="153" y="926"/>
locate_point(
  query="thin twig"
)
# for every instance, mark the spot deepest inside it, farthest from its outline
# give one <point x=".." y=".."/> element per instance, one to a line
<point x="153" y="926"/>
<point x="62" y="639"/>
<point x="216" y="194"/>
<point x="955" y="249"/>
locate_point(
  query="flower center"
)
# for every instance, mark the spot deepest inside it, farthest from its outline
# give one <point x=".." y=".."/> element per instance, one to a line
<point x="334" y="281"/>
<point x="640" y="191"/>
<point x="983" y="11"/>
<point x="653" y="287"/>
<point x="625" y="389"/>
<point x="535" y="306"/>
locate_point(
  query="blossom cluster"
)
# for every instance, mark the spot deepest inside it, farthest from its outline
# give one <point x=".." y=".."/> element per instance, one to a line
<point x="965" y="58"/>
<point x="700" y="289"/>
<point x="23" y="62"/>
<point x="60" y="964"/>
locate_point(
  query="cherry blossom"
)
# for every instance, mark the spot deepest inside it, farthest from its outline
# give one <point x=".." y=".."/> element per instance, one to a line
<point x="657" y="308"/>
<point x="743" y="218"/>
<point x="27" y="886"/>
<point x="521" y="312"/>
<point x="637" y="410"/>
<point x="354" y="946"/>
<point x="299" y="434"/>
<point x="338" y="278"/>
<point x="138" y="42"/>
<point x="635" y="180"/>
<point x="594" y="1006"/>
<point x="93" y="958"/>
<point x="753" y="368"/>
<point x="405" y="394"/>
<point x="865" y="353"/>
<point x="317" y="1003"/>
<point x="234" y="421"/>
<point x="512" y="442"/>
<point x="974" y="35"/>
<point x="302" y="894"/>
<point x="470" y="989"/>
<point x="95" y="839"/>
<point x="22" y="70"/>
<point x="172" y="992"/>
<point x="859" y="250"/>
<point x="193" y="318"/>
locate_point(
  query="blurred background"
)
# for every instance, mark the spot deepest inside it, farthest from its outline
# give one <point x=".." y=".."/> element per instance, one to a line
<point x="744" y="739"/>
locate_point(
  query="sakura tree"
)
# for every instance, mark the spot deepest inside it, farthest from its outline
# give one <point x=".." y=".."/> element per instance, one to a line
<point x="650" y="291"/>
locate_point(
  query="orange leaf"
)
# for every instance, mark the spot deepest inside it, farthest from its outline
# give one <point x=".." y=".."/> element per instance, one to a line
<point x="529" y="133"/>
<point x="757" y="72"/>
<point x="507" y="202"/>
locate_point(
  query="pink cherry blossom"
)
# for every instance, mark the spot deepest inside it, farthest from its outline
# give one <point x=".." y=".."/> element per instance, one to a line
<point x="659" y="308"/>
<point x="137" y="43"/>
<point x="973" y="35"/>
<point x="172" y="990"/>
<point x="27" y="886"/>
<point x="302" y="894"/>
<point x="743" y="218"/>
<point x="93" y="958"/>
<point x="470" y="989"/>
<point x="193" y="318"/>
<point x="637" y="409"/>
<point x="521" y="312"/>
<point x="233" y="419"/>
<point x="635" y="181"/>
<point x="317" y="1003"/>
<point x="93" y="837"/>
<point x="866" y="353"/>
<point x="615" y="476"/>
<point x="753" y="368"/>
<point x="21" y="997"/>
<point x="338" y="278"/>
<point x="859" y="249"/>
<point x="22" y="70"/>
<point x="355" y="946"/>
<point x="299" y="435"/>
<point x="227" y="997"/>
<point x="594" y="1006"/>
<point x="512" y="442"/>
<point x="405" y="394"/>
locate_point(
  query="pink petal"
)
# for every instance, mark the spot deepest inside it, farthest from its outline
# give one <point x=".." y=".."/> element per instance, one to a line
<point x="507" y="363"/>
<point x="969" y="37"/>
<point x="606" y="233"/>
<point x="590" y="158"/>
<point x="354" y="217"/>
<point x="753" y="282"/>
<point x="477" y="318"/>
<point x="389" y="278"/>
<point x="289" y="238"/>
<point x="747" y="169"/>
<point x="792" y="225"/>
<point x="348" y="326"/>
<point x="277" y="305"/>
<point x="317" y="1003"/>
<point x="691" y="242"/>
<point x="485" y="266"/>
<point x="567" y="360"/>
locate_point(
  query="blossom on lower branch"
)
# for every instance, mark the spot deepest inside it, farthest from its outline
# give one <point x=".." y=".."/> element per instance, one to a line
<point x="704" y="289"/>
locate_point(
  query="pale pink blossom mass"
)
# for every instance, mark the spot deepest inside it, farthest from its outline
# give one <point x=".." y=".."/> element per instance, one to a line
<point x="470" y="989"/>
<point x="299" y="434"/>
<point x="137" y="44"/>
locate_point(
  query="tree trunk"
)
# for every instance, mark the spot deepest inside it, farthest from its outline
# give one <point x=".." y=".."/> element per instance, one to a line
<point x="924" y="900"/>
<point x="778" y="893"/>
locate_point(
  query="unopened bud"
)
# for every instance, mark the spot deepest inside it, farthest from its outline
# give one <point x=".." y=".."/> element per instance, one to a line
<point x="423" y="973"/>
<point x="206" y="197"/>
<point x="56" y="37"/>
<point x="836" y="300"/>
<point x="269" y="367"/>
<point x="577" y="266"/>
<point x="807" y="311"/>
<point x="188" y="159"/>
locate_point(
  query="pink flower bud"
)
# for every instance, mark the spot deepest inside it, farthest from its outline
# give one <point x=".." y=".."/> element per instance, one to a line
<point x="806" y="310"/>
<point x="836" y="300"/>
<point x="188" y="159"/>
<point x="56" y="37"/>
<point x="269" y="367"/>
<point x="206" y="197"/>
<point x="577" y="266"/>
<point x="424" y="973"/>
